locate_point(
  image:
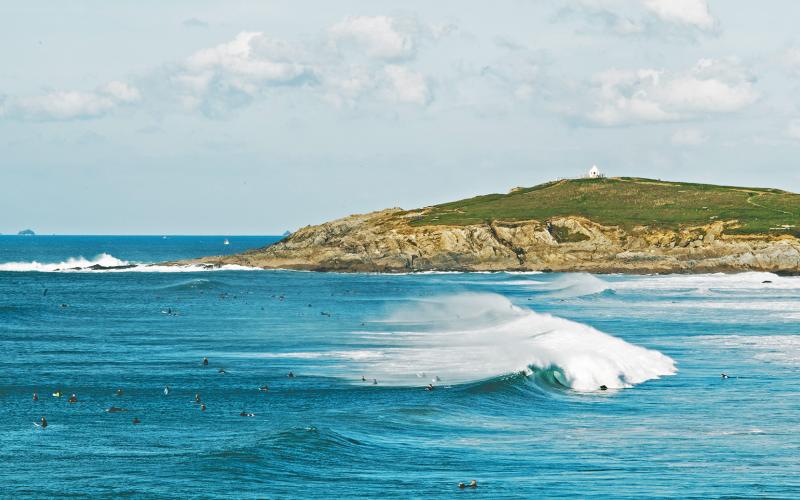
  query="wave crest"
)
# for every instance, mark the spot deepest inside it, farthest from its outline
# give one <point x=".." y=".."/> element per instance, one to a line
<point x="473" y="337"/>
<point x="108" y="263"/>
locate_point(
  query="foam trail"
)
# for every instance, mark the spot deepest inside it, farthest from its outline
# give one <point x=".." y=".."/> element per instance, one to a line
<point x="575" y="285"/>
<point x="72" y="263"/>
<point x="108" y="263"/>
<point x="473" y="337"/>
<point x="706" y="283"/>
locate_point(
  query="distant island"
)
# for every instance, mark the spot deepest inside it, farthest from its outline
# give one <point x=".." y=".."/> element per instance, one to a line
<point x="598" y="224"/>
<point x="26" y="232"/>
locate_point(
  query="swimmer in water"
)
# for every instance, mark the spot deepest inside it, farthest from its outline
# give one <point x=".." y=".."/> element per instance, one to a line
<point x="136" y="421"/>
<point x="35" y="397"/>
<point x="43" y="423"/>
<point x="205" y="361"/>
<point x="73" y="399"/>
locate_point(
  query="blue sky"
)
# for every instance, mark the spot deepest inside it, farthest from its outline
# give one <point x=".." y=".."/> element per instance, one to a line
<point x="256" y="117"/>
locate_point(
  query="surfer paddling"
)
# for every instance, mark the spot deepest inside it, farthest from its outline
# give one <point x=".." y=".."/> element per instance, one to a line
<point x="43" y="423"/>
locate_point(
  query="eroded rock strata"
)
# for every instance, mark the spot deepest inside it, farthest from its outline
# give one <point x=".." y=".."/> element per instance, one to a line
<point x="387" y="241"/>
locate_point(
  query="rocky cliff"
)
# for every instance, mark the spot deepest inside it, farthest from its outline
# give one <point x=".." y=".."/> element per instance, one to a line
<point x="390" y="241"/>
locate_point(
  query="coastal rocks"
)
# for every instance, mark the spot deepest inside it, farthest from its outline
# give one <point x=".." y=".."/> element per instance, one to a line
<point x="390" y="241"/>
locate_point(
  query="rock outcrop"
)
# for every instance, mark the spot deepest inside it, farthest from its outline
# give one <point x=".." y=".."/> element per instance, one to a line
<point x="388" y="241"/>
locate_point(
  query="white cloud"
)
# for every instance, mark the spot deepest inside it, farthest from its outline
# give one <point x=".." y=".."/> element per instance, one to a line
<point x="622" y="97"/>
<point x="381" y="37"/>
<point x="689" y="137"/>
<point x="689" y="12"/>
<point x="661" y="18"/>
<point x="233" y="73"/>
<point x="406" y="85"/>
<point x="69" y="104"/>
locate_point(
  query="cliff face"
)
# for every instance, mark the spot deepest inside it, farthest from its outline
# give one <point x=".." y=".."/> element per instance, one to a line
<point x="385" y="241"/>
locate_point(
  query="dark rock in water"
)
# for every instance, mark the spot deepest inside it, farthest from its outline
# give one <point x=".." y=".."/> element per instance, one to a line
<point x="98" y="267"/>
<point x="26" y="232"/>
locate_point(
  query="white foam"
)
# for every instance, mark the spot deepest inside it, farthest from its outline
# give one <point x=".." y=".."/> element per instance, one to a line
<point x="575" y="285"/>
<point x="473" y="337"/>
<point x="81" y="264"/>
<point x="782" y="349"/>
<point x="705" y="283"/>
<point x="72" y="263"/>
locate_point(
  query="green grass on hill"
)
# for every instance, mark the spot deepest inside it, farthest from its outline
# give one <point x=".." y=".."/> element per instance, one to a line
<point x="628" y="202"/>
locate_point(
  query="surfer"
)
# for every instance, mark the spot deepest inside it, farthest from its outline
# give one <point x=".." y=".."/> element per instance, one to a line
<point x="724" y="376"/>
<point x="119" y="392"/>
<point x="136" y="421"/>
<point x="374" y="381"/>
<point x="429" y="387"/>
<point x="43" y="423"/>
<point x="290" y="374"/>
<point x="57" y="394"/>
<point x="363" y="378"/>
<point x="35" y="397"/>
<point x="472" y="484"/>
<point x="166" y="390"/>
<point x="205" y="361"/>
<point x="115" y="409"/>
<point x="264" y="388"/>
<point x="202" y="407"/>
<point x="197" y="398"/>
<point x="73" y="399"/>
<point x="222" y="371"/>
<point x="603" y="388"/>
<point x="247" y="414"/>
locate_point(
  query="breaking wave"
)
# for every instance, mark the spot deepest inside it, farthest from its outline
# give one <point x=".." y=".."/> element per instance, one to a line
<point x="108" y="263"/>
<point x="575" y="285"/>
<point x="474" y="337"/>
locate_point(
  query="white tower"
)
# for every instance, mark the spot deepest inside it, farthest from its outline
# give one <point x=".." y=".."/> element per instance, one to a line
<point x="594" y="172"/>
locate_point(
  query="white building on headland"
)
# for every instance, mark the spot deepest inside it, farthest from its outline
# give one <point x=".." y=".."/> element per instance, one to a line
<point x="594" y="173"/>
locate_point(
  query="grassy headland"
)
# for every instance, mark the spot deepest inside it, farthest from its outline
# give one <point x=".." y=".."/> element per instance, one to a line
<point x="628" y="202"/>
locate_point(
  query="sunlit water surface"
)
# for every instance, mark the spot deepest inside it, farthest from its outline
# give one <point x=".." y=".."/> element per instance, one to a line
<point x="516" y="362"/>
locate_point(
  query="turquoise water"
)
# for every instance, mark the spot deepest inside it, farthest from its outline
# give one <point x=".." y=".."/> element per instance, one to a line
<point x="517" y="361"/>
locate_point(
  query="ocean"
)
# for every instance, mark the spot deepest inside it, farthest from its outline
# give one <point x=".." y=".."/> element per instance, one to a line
<point x="543" y="385"/>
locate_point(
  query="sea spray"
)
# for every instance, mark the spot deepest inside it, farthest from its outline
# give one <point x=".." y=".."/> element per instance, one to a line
<point x="470" y="337"/>
<point x="108" y="263"/>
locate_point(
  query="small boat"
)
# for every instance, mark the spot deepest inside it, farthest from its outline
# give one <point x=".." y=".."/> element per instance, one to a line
<point x="226" y="242"/>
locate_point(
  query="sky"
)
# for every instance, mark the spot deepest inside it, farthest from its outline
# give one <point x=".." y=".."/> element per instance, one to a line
<point x="199" y="117"/>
